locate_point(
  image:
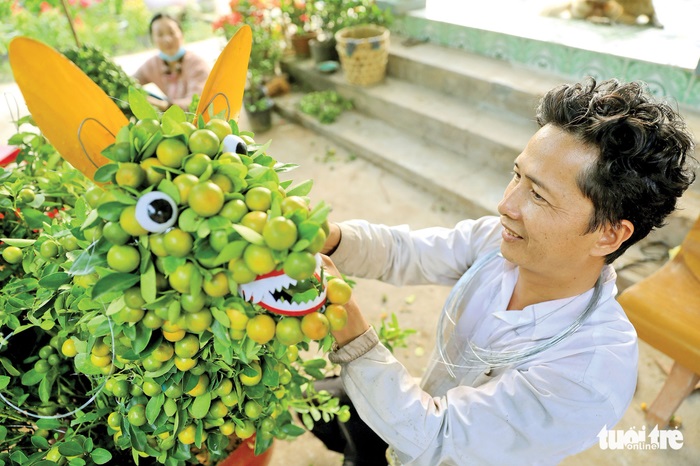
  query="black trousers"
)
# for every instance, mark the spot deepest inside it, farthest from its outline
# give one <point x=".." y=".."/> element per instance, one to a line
<point x="354" y="439"/>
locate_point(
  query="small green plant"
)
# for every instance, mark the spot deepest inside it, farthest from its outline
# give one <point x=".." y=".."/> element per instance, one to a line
<point x="325" y="106"/>
<point x="392" y="335"/>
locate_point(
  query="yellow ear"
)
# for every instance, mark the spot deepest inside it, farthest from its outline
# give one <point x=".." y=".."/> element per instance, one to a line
<point x="61" y="98"/>
<point x="228" y="77"/>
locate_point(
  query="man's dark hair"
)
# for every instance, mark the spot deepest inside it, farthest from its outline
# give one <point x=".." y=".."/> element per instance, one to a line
<point x="645" y="152"/>
<point x="158" y="16"/>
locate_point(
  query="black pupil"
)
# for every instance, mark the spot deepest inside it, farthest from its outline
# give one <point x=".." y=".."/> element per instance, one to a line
<point x="241" y="148"/>
<point x="160" y="210"/>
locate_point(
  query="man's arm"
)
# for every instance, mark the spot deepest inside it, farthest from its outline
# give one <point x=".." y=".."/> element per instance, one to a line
<point x="401" y="256"/>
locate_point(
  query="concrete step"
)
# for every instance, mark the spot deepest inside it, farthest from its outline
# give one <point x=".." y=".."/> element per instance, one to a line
<point x="462" y="181"/>
<point x="492" y="136"/>
<point x="510" y="87"/>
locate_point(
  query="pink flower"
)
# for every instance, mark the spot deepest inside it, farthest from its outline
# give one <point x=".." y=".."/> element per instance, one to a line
<point x="232" y="19"/>
<point x="45" y="6"/>
<point x="85" y="3"/>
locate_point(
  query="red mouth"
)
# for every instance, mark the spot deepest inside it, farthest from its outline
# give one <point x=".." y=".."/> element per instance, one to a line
<point x="264" y="290"/>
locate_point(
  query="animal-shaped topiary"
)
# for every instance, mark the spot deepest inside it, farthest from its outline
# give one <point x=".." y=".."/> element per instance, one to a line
<point x="196" y="280"/>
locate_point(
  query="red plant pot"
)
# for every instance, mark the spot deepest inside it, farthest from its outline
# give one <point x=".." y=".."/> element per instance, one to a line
<point x="244" y="455"/>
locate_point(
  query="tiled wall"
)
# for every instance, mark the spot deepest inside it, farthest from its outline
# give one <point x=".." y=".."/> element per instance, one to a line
<point x="665" y="81"/>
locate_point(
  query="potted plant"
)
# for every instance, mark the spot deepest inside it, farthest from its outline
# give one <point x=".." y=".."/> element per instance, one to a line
<point x="266" y="22"/>
<point x="136" y="342"/>
<point x="334" y="15"/>
<point x="299" y="16"/>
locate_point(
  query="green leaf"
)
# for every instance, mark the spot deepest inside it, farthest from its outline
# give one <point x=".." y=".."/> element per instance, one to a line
<point x="262" y="443"/>
<point x="201" y="404"/>
<point x="233" y="250"/>
<point x="4" y="381"/>
<point x="140" y="107"/>
<point x="3" y="433"/>
<point x="20" y="243"/>
<point x="54" y="280"/>
<point x="270" y="377"/>
<point x="170" y="409"/>
<point x="292" y="430"/>
<point x="45" y="387"/>
<point x="168" y="187"/>
<point x="31" y="377"/>
<point x="123" y="135"/>
<point x="114" y="282"/>
<point x="100" y="456"/>
<point x="285" y="167"/>
<point x="143" y="336"/>
<point x="249" y="234"/>
<point x="110" y="211"/>
<point x="105" y="173"/>
<point x="48" y="424"/>
<point x="148" y="283"/>
<point x="217" y="442"/>
<point x="153" y="407"/>
<point x="40" y="442"/>
<point x="302" y="189"/>
<point x="175" y="114"/>
<point x="7" y="365"/>
<point x="149" y="148"/>
<point x="118" y="152"/>
<point x="307" y="420"/>
<point x="70" y="448"/>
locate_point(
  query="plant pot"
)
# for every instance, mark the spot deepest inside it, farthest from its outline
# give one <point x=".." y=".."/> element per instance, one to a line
<point x="300" y="44"/>
<point x="364" y="53"/>
<point x="244" y="455"/>
<point x="323" y="49"/>
<point x="260" y="120"/>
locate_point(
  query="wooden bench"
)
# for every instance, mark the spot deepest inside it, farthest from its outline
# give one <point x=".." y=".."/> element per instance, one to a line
<point x="665" y="309"/>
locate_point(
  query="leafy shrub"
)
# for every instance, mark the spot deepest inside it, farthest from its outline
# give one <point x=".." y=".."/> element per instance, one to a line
<point x="325" y="106"/>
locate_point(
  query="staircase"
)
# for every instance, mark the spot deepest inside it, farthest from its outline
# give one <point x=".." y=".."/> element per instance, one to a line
<point x="452" y="122"/>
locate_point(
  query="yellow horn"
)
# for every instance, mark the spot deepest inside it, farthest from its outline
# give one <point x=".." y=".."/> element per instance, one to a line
<point x="228" y="77"/>
<point x="61" y="98"/>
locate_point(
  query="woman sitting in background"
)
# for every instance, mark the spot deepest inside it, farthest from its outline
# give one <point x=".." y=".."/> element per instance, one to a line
<point x="179" y="73"/>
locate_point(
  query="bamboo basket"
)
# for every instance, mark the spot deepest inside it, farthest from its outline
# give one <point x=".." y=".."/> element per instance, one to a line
<point x="363" y="52"/>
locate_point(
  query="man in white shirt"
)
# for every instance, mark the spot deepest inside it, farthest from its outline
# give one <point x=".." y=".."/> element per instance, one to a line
<point x="533" y="355"/>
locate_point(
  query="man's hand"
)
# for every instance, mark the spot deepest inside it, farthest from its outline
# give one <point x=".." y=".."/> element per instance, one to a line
<point x="333" y="239"/>
<point x="357" y="325"/>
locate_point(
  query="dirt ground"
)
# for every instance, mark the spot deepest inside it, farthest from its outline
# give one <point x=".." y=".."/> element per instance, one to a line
<point x="355" y="188"/>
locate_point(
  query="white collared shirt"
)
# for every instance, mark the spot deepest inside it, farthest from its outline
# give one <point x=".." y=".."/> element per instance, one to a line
<point x="534" y="413"/>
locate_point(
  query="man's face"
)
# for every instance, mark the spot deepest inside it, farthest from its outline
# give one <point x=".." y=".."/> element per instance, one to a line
<point x="167" y="36"/>
<point x="543" y="211"/>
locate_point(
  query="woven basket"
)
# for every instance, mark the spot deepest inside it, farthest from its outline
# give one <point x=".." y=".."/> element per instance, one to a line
<point x="363" y="52"/>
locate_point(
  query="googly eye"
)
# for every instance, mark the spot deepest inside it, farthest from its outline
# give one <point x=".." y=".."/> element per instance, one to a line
<point x="235" y="144"/>
<point x="156" y="211"/>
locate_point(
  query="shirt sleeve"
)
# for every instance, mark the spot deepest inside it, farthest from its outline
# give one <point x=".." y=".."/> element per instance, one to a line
<point x="147" y="72"/>
<point x="400" y="256"/>
<point x="538" y="415"/>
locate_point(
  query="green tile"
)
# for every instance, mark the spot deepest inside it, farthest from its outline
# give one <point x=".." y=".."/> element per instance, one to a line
<point x="543" y="56"/>
<point x="599" y="66"/>
<point x="663" y="81"/>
